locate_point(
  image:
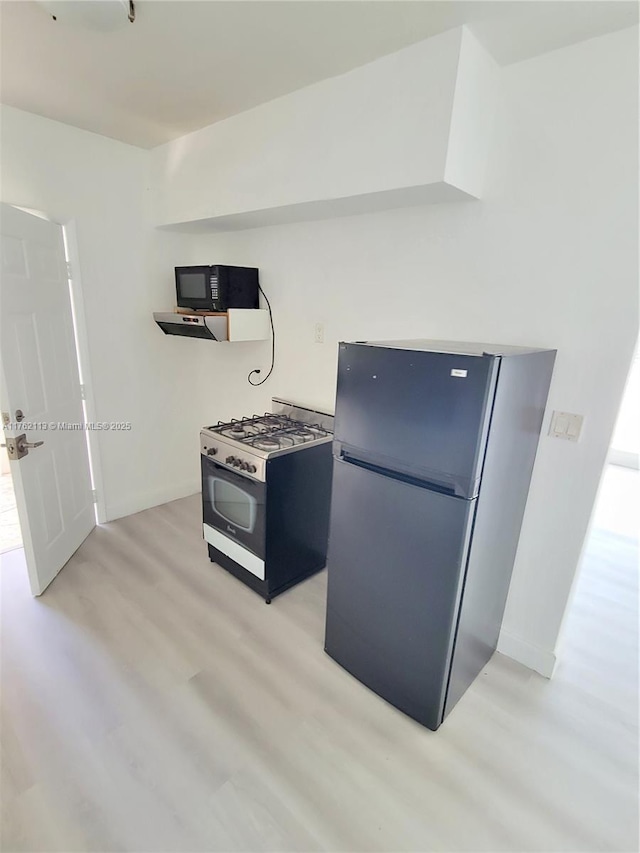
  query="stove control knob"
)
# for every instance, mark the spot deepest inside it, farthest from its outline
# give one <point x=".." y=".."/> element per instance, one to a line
<point x="212" y="451"/>
<point x="251" y="469"/>
<point x="230" y="460"/>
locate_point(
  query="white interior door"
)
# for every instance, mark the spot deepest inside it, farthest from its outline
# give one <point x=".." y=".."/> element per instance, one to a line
<point x="40" y="378"/>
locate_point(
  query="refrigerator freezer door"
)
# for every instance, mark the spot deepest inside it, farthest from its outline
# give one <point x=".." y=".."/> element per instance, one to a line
<point x="426" y="413"/>
<point x="396" y="561"/>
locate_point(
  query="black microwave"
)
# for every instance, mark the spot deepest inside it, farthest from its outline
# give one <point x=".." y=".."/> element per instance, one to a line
<point x="216" y="288"/>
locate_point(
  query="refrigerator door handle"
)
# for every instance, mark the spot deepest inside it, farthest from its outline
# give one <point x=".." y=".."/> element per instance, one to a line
<point x="430" y="485"/>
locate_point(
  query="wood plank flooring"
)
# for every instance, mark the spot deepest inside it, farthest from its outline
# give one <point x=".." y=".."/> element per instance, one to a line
<point x="151" y="702"/>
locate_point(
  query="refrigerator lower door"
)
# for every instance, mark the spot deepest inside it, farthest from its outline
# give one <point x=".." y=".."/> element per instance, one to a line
<point x="396" y="563"/>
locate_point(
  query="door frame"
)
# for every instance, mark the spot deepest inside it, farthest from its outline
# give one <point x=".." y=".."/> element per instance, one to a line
<point x="70" y="235"/>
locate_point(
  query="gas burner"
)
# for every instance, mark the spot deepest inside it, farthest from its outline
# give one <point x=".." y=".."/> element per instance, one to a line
<point x="272" y="422"/>
<point x="234" y="431"/>
<point x="302" y="434"/>
<point x="265" y="442"/>
<point x="272" y="441"/>
<point x="237" y="431"/>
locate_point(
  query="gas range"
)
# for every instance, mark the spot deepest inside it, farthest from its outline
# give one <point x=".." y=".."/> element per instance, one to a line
<point x="246" y="444"/>
<point x="266" y="492"/>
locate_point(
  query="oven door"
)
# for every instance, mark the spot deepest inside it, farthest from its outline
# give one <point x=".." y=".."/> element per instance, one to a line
<point x="234" y="505"/>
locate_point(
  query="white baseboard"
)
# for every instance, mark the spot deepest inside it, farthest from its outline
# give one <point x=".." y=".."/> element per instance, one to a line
<point x="533" y="657"/>
<point x="138" y="503"/>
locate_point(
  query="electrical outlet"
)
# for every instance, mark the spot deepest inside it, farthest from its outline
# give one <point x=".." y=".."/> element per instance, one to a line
<point x="566" y="425"/>
<point x="318" y="333"/>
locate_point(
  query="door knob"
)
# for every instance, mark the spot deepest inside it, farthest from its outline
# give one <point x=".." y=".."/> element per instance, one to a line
<point x="27" y="445"/>
<point x="19" y="447"/>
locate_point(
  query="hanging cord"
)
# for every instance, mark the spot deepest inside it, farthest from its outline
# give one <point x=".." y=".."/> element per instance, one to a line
<point x="273" y="346"/>
<point x="132" y="11"/>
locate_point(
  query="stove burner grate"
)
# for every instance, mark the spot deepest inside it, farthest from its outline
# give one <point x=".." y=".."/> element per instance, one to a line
<point x="270" y="432"/>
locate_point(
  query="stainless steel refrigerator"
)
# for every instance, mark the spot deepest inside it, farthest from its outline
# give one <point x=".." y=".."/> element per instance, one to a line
<point x="434" y="444"/>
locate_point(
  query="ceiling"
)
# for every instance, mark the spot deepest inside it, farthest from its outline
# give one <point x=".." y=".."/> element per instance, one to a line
<point x="185" y="64"/>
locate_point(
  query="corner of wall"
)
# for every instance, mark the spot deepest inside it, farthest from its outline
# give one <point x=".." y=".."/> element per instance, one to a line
<point x="146" y="500"/>
<point x="540" y="660"/>
<point x="472" y="116"/>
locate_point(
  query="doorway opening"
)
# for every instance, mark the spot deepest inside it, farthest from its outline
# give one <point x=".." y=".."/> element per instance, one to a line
<point x="10" y="533"/>
<point x="618" y="505"/>
<point x="601" y="627"/>
<point x="625" y="445"/>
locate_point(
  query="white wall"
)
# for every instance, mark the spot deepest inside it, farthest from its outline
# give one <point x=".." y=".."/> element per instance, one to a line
<point x="548" y="258"/>
<point x="472" y="117"/>
<point x="394" y="125"/>
<point x="126" y="273"/>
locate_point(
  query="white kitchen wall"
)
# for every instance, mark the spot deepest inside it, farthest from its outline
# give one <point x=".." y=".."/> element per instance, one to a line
<point x="413" y="123"/>
<point x="548" y="258"/>
<point x="125" y="270"/>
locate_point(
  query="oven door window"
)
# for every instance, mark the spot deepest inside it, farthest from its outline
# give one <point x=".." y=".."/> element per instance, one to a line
<point x="233" y="504"/>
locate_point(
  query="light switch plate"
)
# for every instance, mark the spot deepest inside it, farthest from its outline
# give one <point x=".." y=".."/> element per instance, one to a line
<point x="566" y="425"/>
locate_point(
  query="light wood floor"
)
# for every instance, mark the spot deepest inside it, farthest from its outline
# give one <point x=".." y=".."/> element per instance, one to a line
<point x="153" y="703"/>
